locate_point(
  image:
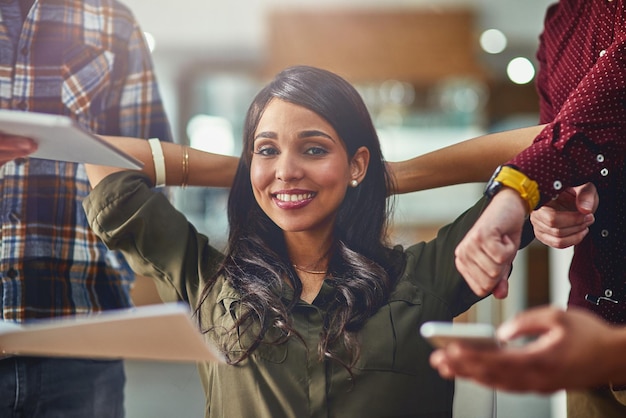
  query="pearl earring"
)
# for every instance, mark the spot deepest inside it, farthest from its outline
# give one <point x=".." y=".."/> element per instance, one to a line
<point x="354" y="183"/>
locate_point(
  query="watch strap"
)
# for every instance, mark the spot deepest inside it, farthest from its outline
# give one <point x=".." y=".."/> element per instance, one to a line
<point x="527" y="188"/>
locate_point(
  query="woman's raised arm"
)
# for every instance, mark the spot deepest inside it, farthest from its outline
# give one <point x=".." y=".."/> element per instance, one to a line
<point x="183" y="165"/>
<point x="473" y="160"/>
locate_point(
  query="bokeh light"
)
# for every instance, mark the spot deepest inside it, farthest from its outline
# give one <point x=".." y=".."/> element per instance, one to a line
<point x="520" y="70"/>
<point x="150" y="41"/>
<point x="493" y="41"/>
<point x="211" y="134"/>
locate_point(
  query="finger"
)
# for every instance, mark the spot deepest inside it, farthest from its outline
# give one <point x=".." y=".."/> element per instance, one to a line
<point x="569" y="226"/>
<point x="478" y="270"/>
<point x="482" y="365"/>
<point x="485" y="264"/>
<point x="568" y="241"/>
<point x="530" y="367"/>
<point x="501" y="291"/>
<point x="533" y="321"/>
<point x="439" y="362"/>
<point x="17" y="143"/>
<point x="562" y="238"/>
<point x="502" y="251"/>
<point x="474" y="276"/>
<point x="587" y="199"/>
<point x="554" y="220"/>
<point x="560" y="229"/>
<point x="560" y="233"/>
<point x="12" y="147"/>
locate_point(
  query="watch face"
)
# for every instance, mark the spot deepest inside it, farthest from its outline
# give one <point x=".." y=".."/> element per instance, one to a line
<point x="493" y="186"/>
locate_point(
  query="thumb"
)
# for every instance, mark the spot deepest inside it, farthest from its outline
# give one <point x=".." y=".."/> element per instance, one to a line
<point x="501" y="290"/>
<point x="534" y="321"/>
<point x="587" y="198"/>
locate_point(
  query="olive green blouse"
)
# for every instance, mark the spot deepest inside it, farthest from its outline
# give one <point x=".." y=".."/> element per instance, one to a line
<point x="392" y="377"/>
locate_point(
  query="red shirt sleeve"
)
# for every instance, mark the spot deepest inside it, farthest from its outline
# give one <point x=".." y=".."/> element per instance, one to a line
<point x="587" y="138"/>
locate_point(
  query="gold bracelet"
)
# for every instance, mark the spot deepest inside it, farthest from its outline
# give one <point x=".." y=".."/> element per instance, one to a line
<point x="185" y="179"/>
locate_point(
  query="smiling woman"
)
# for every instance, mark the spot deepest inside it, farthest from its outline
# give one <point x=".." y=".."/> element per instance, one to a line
<point x="313" y="309"/>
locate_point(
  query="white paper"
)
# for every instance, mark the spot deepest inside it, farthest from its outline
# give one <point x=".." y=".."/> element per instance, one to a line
<point x="157" y="332"/>
<point x="60" y="138"/>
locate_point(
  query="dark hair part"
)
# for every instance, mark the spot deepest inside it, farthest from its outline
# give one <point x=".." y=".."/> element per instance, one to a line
<point x="361" y="267"/>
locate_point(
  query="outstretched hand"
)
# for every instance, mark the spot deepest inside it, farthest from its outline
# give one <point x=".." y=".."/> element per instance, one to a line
<point x="573" y="349"/>
<point x="565" y="221"/>
<point x="12" y="147"/>
<point x="485" y="254"/>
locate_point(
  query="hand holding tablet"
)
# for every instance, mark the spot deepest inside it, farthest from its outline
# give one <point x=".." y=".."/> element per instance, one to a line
<point x="60" y="138"/>
<point x="13" y="147"/>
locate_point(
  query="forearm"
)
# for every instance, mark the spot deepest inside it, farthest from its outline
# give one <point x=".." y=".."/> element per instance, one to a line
<point x="473" y="160"/>
<point x="202" y="168"/>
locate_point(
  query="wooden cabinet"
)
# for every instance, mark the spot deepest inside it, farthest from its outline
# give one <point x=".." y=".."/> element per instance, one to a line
<point x="414" y="45"/>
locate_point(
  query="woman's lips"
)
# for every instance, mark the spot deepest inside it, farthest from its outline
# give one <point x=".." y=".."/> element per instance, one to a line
<point x="294" y="200"/>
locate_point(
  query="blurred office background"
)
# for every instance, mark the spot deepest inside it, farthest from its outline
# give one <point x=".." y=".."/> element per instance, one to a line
<point x="432" y="72"/>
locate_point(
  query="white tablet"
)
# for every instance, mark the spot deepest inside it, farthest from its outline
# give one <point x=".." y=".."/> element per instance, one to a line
<point x="60" y="138"/>
<point x="163" y="331"/>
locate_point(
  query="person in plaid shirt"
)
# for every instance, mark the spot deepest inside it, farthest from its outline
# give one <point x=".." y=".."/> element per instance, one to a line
<point x="87" y="60"/>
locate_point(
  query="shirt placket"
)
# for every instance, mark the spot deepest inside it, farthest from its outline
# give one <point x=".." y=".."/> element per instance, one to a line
<point x="10" y="29"/>
<point x="316" y="369"/>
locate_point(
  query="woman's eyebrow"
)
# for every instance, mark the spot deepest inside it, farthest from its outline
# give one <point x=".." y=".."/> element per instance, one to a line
<point x="266" y="134"/>
<point x="310" y="133"/>
<point x="314" y="132"/>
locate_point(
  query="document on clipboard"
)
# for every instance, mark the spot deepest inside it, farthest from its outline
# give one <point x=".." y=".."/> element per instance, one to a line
<point x="162" y="332"/>
<point x="60" y="138"/>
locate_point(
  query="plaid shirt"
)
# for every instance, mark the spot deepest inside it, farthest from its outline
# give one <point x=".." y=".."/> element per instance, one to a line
<point x="88" y="60"/>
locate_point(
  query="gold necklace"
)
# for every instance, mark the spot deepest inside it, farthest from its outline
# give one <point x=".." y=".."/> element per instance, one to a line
<point x="309" y="271"/>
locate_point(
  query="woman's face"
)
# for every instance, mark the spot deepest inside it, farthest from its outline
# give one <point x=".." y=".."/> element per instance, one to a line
<point x="300" y="169"/>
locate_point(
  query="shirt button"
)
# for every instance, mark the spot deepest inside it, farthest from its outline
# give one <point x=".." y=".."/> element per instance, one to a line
<point x="12" y="273"/>
<point x="608" y="293"/>
<point x="604" y="172"/>
<point x="557" y="185"/>
<point x="22" y="105"/>
<point x="604" y="233"/>
<point x="600" y="158"/>
<point x="602" y="52"/>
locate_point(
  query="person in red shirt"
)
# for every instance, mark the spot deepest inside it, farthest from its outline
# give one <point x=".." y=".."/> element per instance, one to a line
<point x="582" y="89"/>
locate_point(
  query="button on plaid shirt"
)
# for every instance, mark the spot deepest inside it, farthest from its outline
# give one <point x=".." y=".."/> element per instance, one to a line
<point x="88" y="60"/>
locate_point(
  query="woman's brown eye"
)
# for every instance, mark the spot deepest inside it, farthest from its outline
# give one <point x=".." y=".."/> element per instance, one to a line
<point x="316" y="151"/>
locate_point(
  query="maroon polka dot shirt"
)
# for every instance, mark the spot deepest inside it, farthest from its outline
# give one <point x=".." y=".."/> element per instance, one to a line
<point x="582" y="89"/>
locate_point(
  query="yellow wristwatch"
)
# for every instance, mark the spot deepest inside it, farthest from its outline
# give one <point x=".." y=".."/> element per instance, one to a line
<point x="508" y="176"/>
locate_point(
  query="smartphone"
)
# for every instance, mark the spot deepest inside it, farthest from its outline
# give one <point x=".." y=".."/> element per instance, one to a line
<point x="440" y="334"/>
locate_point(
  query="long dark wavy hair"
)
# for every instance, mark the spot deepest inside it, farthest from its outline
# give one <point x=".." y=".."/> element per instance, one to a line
<point x="362" y="267"/>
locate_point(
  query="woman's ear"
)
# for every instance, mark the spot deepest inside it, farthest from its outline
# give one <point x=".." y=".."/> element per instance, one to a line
<point x="359" y="163"/>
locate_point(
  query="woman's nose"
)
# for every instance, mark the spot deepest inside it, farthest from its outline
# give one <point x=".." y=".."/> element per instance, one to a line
<point x="288" y="168"/>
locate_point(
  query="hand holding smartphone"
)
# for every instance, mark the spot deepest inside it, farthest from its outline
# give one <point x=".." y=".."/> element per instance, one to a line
<point x="440" y="334"/>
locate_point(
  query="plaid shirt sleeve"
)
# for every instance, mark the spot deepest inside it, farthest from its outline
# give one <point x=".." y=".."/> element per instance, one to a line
<point x="139" y="110"/>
